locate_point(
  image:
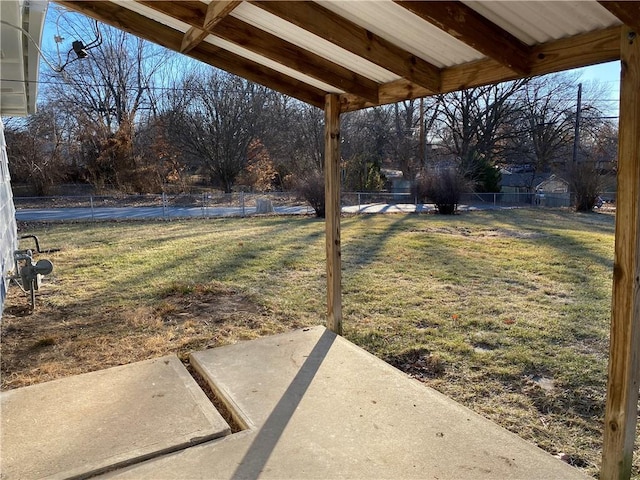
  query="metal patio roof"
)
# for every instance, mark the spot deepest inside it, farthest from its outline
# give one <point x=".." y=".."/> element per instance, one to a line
<point x="377" y="52"/>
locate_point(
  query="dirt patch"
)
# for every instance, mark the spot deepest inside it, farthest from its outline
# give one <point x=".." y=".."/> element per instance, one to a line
<point x="483" y="347"/>
<point x="209" y="304"/>
<point x="482" y="234"/>
<point x="54" y="342"/>
<point x="418" y="363"/>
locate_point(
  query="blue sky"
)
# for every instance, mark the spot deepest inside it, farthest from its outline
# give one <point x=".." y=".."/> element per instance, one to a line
<point x="605" y="72"/>
<point x="608" y="74"/>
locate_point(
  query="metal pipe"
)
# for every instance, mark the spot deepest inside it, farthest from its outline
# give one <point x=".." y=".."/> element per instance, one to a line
<point x="35" y="239"/>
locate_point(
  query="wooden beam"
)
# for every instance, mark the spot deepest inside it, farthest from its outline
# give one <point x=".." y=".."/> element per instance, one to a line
<point x="288" y="54"/>
<point x="578" y="51"/>
<point x="192" y="37"/>
<point x="349" y="36"/>
<point x="143" y="27"/>
<point x="274" y="48"/>
<point x="470" y="27"/>
<point x="628" y="12"/>
<point x="332" y="212"/>
<point x="624" y="349"/>
<point x="216" y="11"/>
<point x="191" y="12"/>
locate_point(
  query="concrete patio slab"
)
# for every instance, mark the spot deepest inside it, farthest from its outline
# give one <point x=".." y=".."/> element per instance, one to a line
<point x="317" y="406"/>
<point x="86" y="424"/>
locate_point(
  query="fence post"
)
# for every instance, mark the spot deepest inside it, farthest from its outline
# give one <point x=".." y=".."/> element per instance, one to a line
<point x="203" y="205"/>
<point x="93" y="217"/>
<point x="359" y="202"/>
<point x="242" y="202"/>
<point x="494" y="199"/>
<point x="164" y="205"/>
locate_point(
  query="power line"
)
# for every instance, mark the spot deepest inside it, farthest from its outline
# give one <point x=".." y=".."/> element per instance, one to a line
<point x="147" y="87"/>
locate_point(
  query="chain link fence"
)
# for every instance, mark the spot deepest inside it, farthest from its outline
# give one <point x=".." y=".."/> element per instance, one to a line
<point x="164" y="206"/>
<point x="207" y="205"/>
<point x="363" y="202"/>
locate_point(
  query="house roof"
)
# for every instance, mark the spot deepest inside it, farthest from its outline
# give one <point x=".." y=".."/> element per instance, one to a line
<point x="377" y="52"/>
<point x="553" y="179"/>
<point x="526" y="179"/>
<point x="20" y="35"/>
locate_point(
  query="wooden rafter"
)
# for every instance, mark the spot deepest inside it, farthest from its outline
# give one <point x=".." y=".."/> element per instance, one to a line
<point x="580" y="50"/>
<point x="143" y="27"/>
<point x="276" y="49"/>
<point x="216" y="11"/>
<point x="628" y="12"/>
<point x="470" y="27"/>
<point x="191" y="12"/>
<point x="349" y="36"/>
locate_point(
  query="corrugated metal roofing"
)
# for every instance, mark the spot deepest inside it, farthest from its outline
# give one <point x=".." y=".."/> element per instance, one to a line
<point x="542" y="21"/>
<point x="398" y="49"/>
<point x="397" y="24"/>
<point x="313" y="43"/>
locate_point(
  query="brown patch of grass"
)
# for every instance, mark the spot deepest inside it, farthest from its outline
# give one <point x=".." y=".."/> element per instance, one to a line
<point x="52" y="342"/>
<point x="419" y="363"/>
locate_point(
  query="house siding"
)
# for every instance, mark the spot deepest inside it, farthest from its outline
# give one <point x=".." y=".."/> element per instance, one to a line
<point x="8" y="229"/>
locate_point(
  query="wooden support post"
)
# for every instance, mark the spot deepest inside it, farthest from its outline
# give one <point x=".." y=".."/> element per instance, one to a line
<point x="332" y="211"/>
<point x="624" y="355"/>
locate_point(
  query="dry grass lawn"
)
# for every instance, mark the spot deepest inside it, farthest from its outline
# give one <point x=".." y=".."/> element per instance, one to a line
<point x="506" y="312"/>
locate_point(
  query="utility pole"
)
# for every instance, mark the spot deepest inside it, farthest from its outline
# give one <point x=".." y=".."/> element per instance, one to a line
<point x="576" y="136"/>
<point x="422" y="145"/>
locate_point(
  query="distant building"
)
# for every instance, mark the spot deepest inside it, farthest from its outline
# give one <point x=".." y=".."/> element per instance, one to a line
<point x="553" y="184"/>
<point x="553" y="192"/>
<point x="396" y="183"/>
<point x="522" y="182"/>
<point x="534" y="188"/>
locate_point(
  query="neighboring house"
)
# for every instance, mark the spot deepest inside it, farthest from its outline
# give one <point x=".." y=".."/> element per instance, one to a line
<point x="396" y="182"/>
<point x="553" y="192"/>
<point x="21" y="28"/>
<point x="553" y="184"/>
<point x="520" y="183"/>
<point x="520" y="187"/>
<point x="535" y="188"/>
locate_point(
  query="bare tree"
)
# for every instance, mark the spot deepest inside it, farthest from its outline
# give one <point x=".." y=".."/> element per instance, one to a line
<point x="404" y="140"/>
<point x="35" y="150"/>
<point x="293" y="135"/>
<point x="365" y="143"/>
<point x="474" y="127"/>
<point x="224" y="114"/>
<point x="105" y="93"/>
